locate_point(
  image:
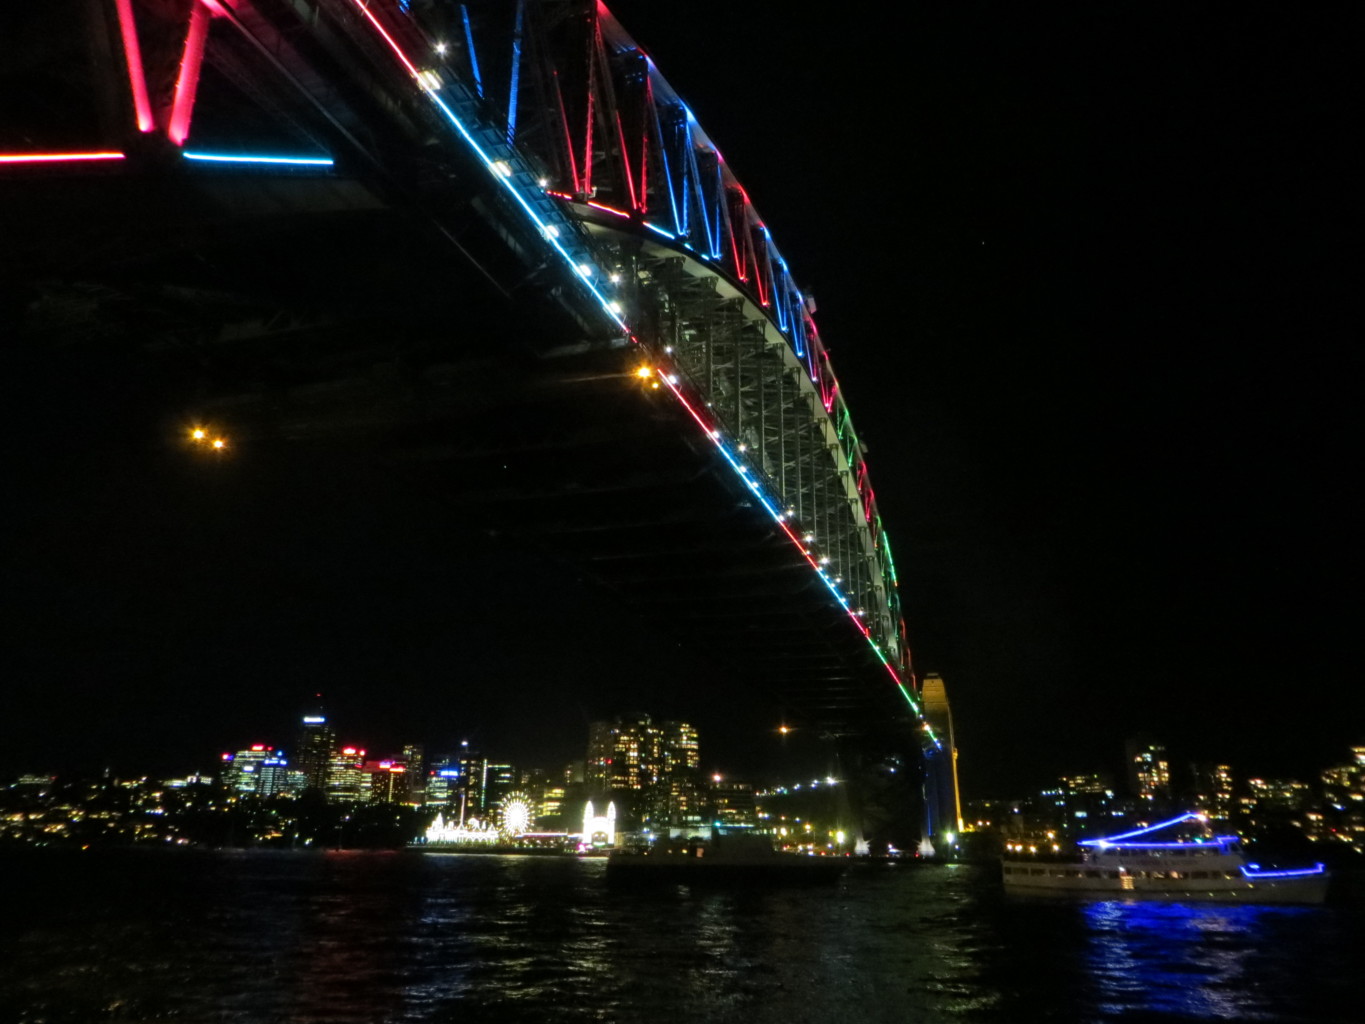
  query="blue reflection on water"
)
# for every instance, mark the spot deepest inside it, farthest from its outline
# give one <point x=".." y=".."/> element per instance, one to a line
<point x="1194" y="961"/>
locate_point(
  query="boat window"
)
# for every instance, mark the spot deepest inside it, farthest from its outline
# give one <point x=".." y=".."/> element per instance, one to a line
<point x="1111" y="874"/>
<point x="1093" y="874"/>
<point x="1036" y="871"/>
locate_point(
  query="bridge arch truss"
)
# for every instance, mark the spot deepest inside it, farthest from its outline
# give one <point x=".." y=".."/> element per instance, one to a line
<point x="599" y="180"/>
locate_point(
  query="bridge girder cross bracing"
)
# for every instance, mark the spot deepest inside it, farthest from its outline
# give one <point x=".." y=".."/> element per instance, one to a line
<point x="542" y="124"/>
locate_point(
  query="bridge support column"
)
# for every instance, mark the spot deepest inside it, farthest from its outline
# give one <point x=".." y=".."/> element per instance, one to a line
<point x="881" y="791"/>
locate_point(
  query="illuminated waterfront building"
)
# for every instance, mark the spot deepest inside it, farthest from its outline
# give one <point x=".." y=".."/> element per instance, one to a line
<point x="599" y="830"/>
<point x="732" y="803"/>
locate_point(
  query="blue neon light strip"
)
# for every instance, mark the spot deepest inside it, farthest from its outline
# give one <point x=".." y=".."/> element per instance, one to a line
<point x="1112" y="840"/>
<point x="1218" y="841"/>
<point x="516" y="75"/>
<point x="550" y="232"/>
<point x="1254" y="874"/>
<point x="501" y="170"/>
<point x="226" y="158"/>
<point x="473" y="57"/>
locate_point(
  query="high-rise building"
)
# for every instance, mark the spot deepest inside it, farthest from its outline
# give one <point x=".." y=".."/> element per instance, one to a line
<point x="1213" y="790"/>
<point x="414" y="760"/>
<point x="623" y="753"/>
<point x="498" y="781"/>
<point x="389" y="781"/>
<point x="1149" y="772"/>
<point x="347" y="780"/>
<point x="679" y="796"/>
<point x="443" y="783"/>
<point x="316" y="745"/>
<point x="256" y="771"/>
<point x="660" y="763"/>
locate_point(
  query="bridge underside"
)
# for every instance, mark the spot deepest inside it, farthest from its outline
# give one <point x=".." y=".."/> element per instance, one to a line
<point x="313" y="312"/>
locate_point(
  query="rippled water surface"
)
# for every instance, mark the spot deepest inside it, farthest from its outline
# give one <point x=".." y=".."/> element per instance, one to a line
<point x="374" y="938"/>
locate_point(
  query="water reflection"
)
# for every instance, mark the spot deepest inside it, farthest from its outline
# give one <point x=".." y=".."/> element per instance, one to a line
<point x="1196" y="961"/>
<point x="338" y="938"/>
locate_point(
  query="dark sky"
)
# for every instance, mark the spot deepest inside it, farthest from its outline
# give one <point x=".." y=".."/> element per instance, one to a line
<point x="1087" y="281"/>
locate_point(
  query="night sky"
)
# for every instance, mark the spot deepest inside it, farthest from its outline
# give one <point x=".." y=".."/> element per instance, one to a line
<point x="1087" y="282"/>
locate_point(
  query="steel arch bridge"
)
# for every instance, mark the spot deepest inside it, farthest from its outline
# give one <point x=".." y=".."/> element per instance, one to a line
<point x="540" y="147"/>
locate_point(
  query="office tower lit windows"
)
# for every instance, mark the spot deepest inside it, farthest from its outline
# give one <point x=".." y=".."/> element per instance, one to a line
<point x="316" y="745"/>
<point x="256" y="771"/>
<point x="347" y="780"/>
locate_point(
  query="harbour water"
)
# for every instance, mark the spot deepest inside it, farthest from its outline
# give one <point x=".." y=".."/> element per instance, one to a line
<point x="265" y="937"/>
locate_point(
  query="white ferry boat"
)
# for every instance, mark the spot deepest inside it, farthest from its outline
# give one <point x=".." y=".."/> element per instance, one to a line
<point x="1140" y="865"/>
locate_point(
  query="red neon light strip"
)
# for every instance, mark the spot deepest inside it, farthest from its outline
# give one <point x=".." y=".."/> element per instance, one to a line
<point x="607" y="209"/>
<point x="182" y="107"/>
<point x="360" y="6"/>
<point x="586" y="186"/>
<point x="635" y="201"/>
<point x="52" y="158"/>
<point x="137" y="78"/>
<point x="644" y="150"/>
<point x="568" y="135"/>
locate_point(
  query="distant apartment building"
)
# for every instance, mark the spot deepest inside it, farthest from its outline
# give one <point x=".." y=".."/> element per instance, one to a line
<point x="1149" y="772"/>
<point x="1212" y="790"/>
<point x="660" y="763"/>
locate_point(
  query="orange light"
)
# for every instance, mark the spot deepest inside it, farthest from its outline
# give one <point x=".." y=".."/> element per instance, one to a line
<point x="219" y="444"/>
<point x="198" y="434"/>
<point x="644" y="372"/>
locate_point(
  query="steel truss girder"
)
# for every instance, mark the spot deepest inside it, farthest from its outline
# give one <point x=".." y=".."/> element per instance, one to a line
<point x="736" y="358"/>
